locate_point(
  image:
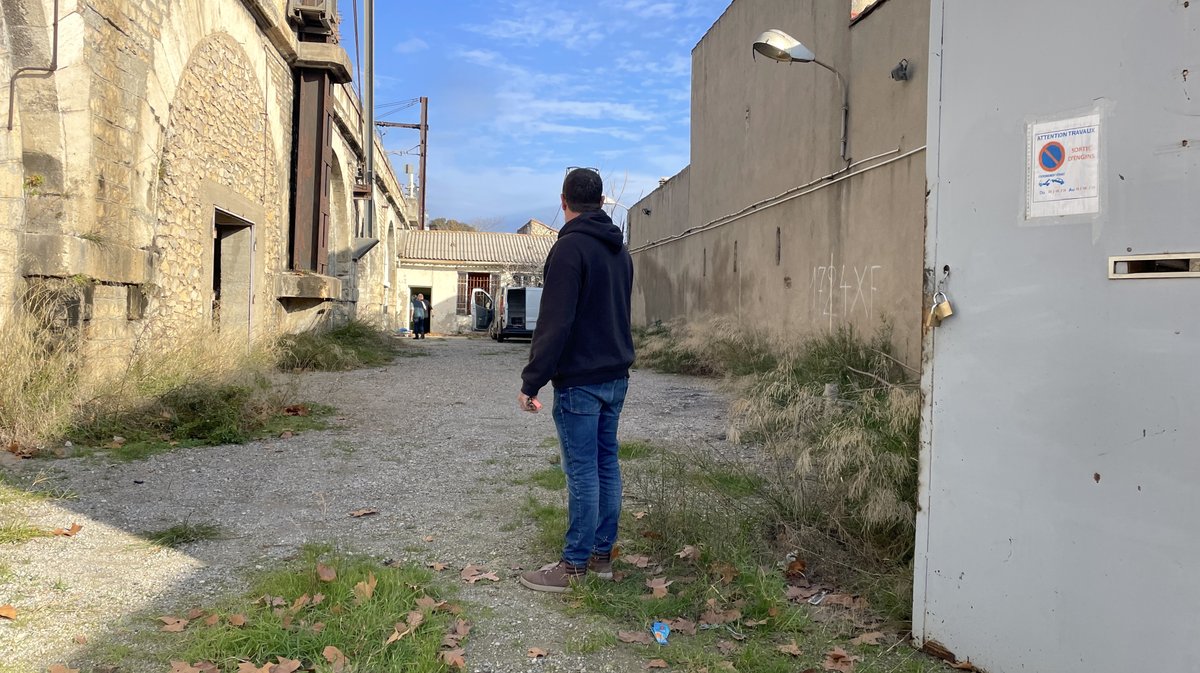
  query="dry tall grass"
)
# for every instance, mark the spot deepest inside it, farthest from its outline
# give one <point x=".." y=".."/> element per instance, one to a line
<point x="837" y="410"/>
<point x="52" y="392"/>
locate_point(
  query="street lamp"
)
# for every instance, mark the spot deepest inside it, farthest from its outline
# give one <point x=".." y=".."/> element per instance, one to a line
<point x="779" y="46"/>
<point x="609" y="201"/>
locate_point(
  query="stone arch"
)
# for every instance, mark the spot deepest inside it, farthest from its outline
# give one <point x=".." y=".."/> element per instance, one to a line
<point x="217" y="153"/>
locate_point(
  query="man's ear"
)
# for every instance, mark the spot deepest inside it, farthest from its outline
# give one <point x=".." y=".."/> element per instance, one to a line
<point x="563" y="199"/>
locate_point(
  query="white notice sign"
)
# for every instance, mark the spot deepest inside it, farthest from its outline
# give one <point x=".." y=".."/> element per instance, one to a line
<point x="1063" y="177"/>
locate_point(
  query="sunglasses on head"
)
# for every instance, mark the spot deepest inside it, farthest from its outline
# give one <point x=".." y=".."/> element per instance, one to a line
<point x="582" y="168"/>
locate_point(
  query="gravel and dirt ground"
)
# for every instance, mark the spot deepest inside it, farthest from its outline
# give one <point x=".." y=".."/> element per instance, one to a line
<point x="434" y="444"/>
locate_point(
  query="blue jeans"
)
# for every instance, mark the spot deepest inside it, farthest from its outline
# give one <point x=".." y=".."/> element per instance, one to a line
<point x="587" y="417"/>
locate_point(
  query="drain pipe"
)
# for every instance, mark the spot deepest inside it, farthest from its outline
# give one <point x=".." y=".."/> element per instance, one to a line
<point x="12" y="83"/>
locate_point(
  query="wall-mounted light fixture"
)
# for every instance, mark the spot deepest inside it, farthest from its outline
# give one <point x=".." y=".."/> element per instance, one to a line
<point x="901" y="73"/>
<point x="779" y="46"/>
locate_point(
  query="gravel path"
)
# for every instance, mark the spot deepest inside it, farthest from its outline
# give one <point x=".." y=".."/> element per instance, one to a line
<point x="434" y="443"/>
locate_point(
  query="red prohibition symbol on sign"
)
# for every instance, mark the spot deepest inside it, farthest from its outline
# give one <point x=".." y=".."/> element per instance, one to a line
<point x="1052" y="156"/>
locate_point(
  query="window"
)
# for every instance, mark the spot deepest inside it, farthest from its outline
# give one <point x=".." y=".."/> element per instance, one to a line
<point x="527" y="280"/>
<point x="467" y="284"/>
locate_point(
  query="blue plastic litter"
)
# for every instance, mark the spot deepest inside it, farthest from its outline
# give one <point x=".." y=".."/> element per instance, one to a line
<point x="661" y="631"/>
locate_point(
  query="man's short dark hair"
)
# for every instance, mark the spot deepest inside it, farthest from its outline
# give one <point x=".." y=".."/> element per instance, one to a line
<point x="583" y="190"/>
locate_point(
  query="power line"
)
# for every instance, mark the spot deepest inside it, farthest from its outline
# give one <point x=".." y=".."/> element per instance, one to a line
<point x="357" y="52"/>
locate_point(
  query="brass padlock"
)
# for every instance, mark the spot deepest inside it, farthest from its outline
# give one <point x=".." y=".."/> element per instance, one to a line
<point x="942" y="309"/>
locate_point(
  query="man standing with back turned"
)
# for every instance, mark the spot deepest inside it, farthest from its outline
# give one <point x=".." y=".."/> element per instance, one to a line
<point x="583" y="344"/>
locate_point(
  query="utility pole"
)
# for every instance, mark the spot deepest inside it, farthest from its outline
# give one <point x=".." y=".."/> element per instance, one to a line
<point x="369" y="130"/>
<point x="423" y="127"/>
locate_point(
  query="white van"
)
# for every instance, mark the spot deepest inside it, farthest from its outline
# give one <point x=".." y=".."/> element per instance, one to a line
<point x="515" y="315"/>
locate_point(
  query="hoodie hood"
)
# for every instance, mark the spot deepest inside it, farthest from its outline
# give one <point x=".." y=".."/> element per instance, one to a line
<point x="598" y="225"/>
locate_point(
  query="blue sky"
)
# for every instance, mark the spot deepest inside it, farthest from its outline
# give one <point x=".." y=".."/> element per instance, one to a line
<point x="521" y="89"/>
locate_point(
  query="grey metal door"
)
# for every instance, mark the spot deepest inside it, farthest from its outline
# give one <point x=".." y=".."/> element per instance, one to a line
<point x="1059" y="527"/>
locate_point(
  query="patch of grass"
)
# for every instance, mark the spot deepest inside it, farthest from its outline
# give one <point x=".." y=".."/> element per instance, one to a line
<point x="356" y="627"/>
<point x="730" y="513"/>
<point x="549" y="442"/>
<point x="353" y="345"/>
<point x="551" y="523"/>
<point x="634" y="449"/>
<point x="551" y="479"/>
<point x="183" y="533"/>
<point x="198" y="416"/>
<point x="16" y="532"/>
<point x="590" y="642"/>
<point x="721" y="348"/>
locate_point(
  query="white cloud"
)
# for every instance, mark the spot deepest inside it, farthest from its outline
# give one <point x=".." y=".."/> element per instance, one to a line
<point x="410" y="46"/>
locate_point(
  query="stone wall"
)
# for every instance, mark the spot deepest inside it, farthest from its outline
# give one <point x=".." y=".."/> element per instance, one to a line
<point x="159" y="116"/>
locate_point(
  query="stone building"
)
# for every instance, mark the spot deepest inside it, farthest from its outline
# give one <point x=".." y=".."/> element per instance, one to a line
<point x="190" y="163"/>
<point x="770" y="223"/>
<point x="449" y="266"/>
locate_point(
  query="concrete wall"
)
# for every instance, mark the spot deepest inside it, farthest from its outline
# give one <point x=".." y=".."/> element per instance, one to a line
<point x="159" y="115"/>
<point x="780" y="247"/>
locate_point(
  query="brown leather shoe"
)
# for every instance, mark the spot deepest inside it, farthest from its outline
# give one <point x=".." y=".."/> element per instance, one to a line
<point x="554" y="579"/>
<point x="601" y="565"/>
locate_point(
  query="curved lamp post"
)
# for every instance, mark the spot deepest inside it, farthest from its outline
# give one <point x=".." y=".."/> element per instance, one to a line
<point x="609" y="201"/>
<point x="779" y="46"/>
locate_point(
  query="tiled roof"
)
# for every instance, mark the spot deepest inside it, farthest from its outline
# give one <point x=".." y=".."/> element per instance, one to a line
<point x="475" y="246"/>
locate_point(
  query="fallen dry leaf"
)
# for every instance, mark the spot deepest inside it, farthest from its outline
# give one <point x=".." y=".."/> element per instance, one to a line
<point x="326" y="573"/>
<point x="714" y="616"/>
<point x="790" y="648"/>
<point x="658" y="586"/>
<point x="67" y="532"/>
<point x="461" y="628"/>
<point x="195" y="613"/>
<point x="689" y="553"/>
<point x="59" y="668"/>
<point x="437" y="567"/>
<point x="286" y="666"/>
<point x="483" y="576"/>
<point x="297" y="410"/>
<point x="299" y="604"/>
<point x="872" y="638"/>
<point x="964" y="665"/>
<point x="212" y="619"/>
<point x="287" y="434"/>
<point x="8" y="612"/>
<point x="839" y="660"/>
<point x="80" y="639"/>
<point x="844" y="600"/>
<point x="537" y="653"/>
<point x="173" y="624"/>
<point x="635" y="637"/>
<point x="725" y="647"/>
<point x="802" y="593"/>
<point x="454" y="658"/>
<point x="637" y="561"/>
<point x="317" y="599"/>
<point x="237" y="620"/>
<point x="428" y="538"/>
<point x="204" y="666"/>
<point x="470" y="571"/>
<point x="751" y="623"/>
<point x="364" y="590"/>
<point x="427" y="602"/>
<point x="317" y="628"/>
<point x="360" y="513"/>
<point x="652" y="535"/>
<point x="640" y="515"/>
<point x="247" y="667"/>
<point x="685" y="626"/>
<point x="796" y="568"/>
<point x="656" y="663"/>
<point x="335" y="658"/>
<point x="183" y="667"/>
<point x="727" y="572"/>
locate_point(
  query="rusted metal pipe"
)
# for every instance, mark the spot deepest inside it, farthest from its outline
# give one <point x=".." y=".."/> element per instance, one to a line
<point x="12" y="82"/>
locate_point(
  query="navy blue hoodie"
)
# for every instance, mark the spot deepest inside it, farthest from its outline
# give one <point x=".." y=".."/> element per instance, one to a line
<point x="582" y="335"/>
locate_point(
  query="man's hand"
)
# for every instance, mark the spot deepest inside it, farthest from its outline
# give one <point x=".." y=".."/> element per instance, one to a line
<point x="527" y="403"/>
